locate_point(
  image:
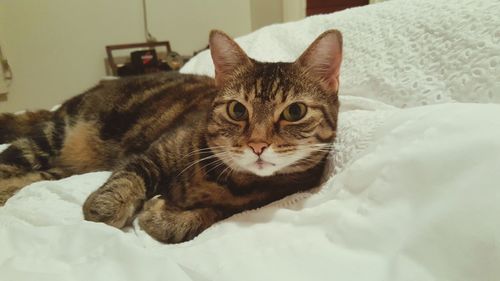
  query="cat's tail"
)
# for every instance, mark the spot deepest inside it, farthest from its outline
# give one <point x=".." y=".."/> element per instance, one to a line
<point x="14" y="126"/>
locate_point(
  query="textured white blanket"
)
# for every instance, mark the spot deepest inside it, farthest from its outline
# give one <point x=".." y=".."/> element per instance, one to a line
<point x="404" y="53"/>
<point x="415" y="194"/>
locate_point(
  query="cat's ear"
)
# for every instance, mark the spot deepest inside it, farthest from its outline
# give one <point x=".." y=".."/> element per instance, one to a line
<point x="323" y="57"/>
<point x="226" y="55"/>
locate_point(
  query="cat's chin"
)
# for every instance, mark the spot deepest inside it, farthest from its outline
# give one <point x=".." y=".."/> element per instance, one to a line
<point x="262" y="168"/>
<point x="263" y="173"/>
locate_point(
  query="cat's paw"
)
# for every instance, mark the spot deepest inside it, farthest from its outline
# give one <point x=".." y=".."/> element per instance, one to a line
<point x="108" y="207"/>
<point x="170" y="225"/>
<point x="8" y="171"/>
<point x="9" y="187"/>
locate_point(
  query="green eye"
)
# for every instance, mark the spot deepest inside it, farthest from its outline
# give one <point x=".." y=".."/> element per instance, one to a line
<point x="294" y="112"/>
<point x="237" y="111"/>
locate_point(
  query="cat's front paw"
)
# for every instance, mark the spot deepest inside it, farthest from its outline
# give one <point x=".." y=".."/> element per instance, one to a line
<point x="8" y="171"/>
<point x="9" y="187"/>
<point x="170" y="225"/>
<point x="108" y="207"/>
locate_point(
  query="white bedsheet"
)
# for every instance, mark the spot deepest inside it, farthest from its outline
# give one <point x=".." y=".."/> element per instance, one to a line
<point x="415" y="193"/>
<point x="419" y="202"/>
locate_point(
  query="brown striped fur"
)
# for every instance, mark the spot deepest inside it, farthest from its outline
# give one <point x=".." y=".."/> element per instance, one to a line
<point x="16" y="125"/>
<point x="179" y="161"/>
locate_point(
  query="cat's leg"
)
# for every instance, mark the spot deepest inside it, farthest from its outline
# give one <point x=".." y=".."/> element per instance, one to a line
<point x="169" y="224"/>
<point x="29" y="159"/>
<point x="14" y="126"/>
<point x="34" y="152"/>
<point x="17" y="159"/>
<point x="117" y="201"/>
<point x="9" y="186"/>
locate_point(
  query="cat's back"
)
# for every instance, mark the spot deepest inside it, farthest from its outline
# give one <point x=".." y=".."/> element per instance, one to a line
<point x="135" y="111"/>
<point x="140" y="92"/>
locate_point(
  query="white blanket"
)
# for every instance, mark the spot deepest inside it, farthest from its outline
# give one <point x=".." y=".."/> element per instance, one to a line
<point x="404" y="53"/>
<point x="415" y="193"/>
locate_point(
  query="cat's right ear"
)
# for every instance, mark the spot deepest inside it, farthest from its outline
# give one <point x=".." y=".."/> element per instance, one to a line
<point x="226" y="55"/>
<point x="322" y="59"/>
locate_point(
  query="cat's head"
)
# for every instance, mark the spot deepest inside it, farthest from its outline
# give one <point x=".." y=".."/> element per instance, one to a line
<point x="273" y="118"/>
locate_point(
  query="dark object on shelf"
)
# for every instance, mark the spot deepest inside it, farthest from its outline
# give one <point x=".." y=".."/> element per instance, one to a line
<point x="142" y="61"/>
<point x="315" y="7"/>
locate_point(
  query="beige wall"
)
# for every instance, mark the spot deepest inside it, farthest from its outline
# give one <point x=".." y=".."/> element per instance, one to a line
<point x="266" y="12"/>
<point x="294" y="10"/>
<point x="186" y="23"/>
<point x="56" y="47"/>
<point x="3" y="86"/>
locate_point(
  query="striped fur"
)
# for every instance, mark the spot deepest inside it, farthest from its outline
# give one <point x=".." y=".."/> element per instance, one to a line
<point x="171" y="146"/>
<point x="14" y="126"/>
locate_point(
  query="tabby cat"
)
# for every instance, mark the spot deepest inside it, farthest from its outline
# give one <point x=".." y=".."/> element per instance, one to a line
<point x="186" y="151"/>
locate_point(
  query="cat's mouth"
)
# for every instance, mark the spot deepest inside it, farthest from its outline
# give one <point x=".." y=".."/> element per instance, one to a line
<point x="261" y="164"/>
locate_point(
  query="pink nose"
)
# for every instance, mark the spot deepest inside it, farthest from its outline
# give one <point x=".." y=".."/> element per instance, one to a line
<point x="258" y="147"/>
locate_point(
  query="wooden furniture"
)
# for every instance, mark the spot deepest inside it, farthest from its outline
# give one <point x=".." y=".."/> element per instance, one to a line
<point x="113" y="62"/>
<point x="315" y="7"/>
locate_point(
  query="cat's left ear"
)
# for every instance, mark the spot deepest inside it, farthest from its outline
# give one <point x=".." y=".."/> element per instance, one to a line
<point x="323" y="58"/>
<point x="226" y="55"/>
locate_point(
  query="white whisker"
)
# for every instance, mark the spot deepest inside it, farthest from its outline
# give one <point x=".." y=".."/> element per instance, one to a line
<point x="198" y="161"/>
<point x="213" y="168"/>
<point x="204" y="150"/>
<point x="223" y="171"/>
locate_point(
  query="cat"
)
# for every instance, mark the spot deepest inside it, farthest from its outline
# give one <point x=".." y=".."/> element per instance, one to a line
<point x="187" y="151"/>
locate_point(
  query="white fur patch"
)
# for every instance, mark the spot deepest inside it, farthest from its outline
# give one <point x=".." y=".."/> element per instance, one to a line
<point x="269" y="162"/>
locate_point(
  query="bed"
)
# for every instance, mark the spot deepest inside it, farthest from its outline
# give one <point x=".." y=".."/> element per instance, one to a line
<point x="414" y="190"/>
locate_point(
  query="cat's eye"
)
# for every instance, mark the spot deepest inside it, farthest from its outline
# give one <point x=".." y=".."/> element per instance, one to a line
<point x="237" y="111"/>
<point x="294" y="112"/>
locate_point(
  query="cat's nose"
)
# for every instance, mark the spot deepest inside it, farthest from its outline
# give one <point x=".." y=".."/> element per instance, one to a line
<point x="258" y="147"/>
